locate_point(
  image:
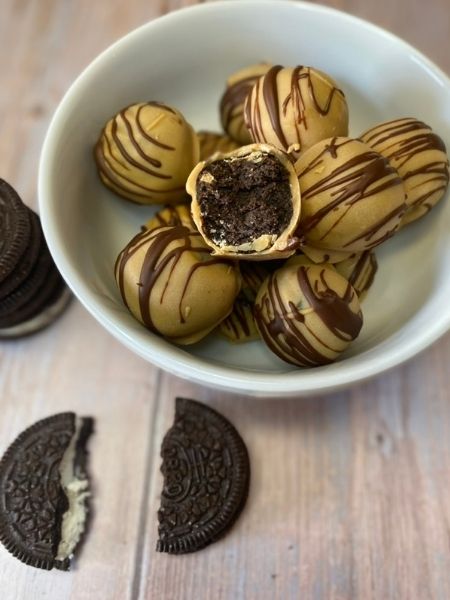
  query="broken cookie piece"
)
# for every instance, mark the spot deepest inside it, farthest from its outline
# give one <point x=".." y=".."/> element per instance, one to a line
<point x="44" y="490"/>
<point x="246" y="203"/>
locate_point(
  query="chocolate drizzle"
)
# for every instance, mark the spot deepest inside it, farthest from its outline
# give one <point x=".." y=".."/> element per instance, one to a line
<point x="362" y="271"/>
<point x="288" y="330"/>
<point x="233" y="99"/>
<point x="239" y="326"/>
<point x="267" y="90"/>
<point x="116" y="152"/>
<point x="363" y="175"/>
<point x="401" y="141"/>
<point x="157" y="257"/>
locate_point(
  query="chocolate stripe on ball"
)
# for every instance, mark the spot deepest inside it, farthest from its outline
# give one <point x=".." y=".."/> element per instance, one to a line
<point x="170" y="282"/>
<point x="293" y="108"/>
<point x="232" y="102"/>
<point x="420" y="157"/>
<point x="359" y="270"/>
<point x="352" y="198"/>
<point x="307" y="315"/>
<point x="146" y="152"/>
<point x="44" y="491"/>
<point x="206" y="472"/>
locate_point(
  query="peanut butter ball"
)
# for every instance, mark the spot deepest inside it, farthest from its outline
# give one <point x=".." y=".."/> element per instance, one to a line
<point x="352" y="198"/>
<point x="178" y="214"/>
<point x="232" y="102"/>
<point x="170" y="282"/>
<point x="294" y="108"/>
<point x="307" y="315"/>
<point x="359" y="270"/>
<point x="240" y="326"/>
<point x="246" y="203"/>
<point x="420" y="157"/>
<point x="211" y="142"/>
<point x="146" y="152"/>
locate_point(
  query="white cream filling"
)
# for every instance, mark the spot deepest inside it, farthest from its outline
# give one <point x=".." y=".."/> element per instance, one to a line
<point x="76" y="490"/>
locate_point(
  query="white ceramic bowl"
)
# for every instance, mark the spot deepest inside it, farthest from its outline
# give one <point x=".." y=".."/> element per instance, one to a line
<point x="183" y="59"/>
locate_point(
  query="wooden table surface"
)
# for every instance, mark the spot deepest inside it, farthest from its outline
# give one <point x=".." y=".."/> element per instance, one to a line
<point x="350" y="495"/>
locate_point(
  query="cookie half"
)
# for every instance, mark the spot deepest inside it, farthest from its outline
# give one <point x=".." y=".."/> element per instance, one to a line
<point x="44" y="491"/>
<point x="206" y="473"/>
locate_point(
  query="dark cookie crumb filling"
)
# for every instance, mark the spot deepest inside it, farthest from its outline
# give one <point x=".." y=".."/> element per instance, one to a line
<point x="246" y="199"/>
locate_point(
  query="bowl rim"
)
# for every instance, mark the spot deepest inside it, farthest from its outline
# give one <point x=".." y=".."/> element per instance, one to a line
<point x="317" y="380"/>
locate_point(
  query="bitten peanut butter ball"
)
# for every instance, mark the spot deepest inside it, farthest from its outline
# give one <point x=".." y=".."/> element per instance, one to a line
<point x="170" y="282"/>
<point x="146" y="152"/>
<point x="307" y="315"/>
<point x="178" y="214"/>
<point x="352" y="198"/>
<point x="246" y="204"/>
<point x="211" y="142"/>
<point x="232" y="102"/>
<point x="420" y="157"/>
<point x="294" y="108"/>
<point x="240" y="327"/>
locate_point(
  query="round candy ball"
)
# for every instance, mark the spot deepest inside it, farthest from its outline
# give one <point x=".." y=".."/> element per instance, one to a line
<point x="146" y="152"/>
<point x="420" y="157"/>
<point x="211" y="142"/>
<point x="170" y="282"/>
<point x="232" y="102"/>
<point x="246" y="203"/>
<point x="294" y="108"/>
<point x="174" y="214"/>
<point x="352" y="198"/>
<point x="307" y="315"/>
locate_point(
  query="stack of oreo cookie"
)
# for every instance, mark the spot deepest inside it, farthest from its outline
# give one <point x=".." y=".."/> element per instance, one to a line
<point x="32" y="292"/>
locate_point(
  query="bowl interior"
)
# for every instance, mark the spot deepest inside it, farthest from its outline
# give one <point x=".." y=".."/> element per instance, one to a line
<point x="183" y="60"/>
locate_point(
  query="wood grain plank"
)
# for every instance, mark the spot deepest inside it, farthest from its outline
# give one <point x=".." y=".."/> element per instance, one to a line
<point x="75" y="365"/>
<point x="348" y="496"/>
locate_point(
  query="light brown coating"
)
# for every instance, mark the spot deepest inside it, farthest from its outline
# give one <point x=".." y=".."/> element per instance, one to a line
<point x="352" y="198"/>
<point x="294" y="108"/>
<point x="211" y="142"/>
<point x="146" y="152"/>
<point x="359" y="269"/>
<point x="170" y="282"/>
<point x="420" y="157"/>
<point x="240" y="327"/>
<point x="307" y="315"/>
<point x="266" y="246"/>
<point x="177" y="214"/>
<point x="233" y="99"/>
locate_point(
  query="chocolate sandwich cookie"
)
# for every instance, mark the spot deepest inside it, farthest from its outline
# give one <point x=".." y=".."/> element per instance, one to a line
<point x="15" y="229"/>
<point x="51" y="287"/>
<point x="16" y="300"/>
<point x="28" y="259"/>
<point x="206" y="478"/>
<point x="44" y="490"/>
<point x="30" y="283"/>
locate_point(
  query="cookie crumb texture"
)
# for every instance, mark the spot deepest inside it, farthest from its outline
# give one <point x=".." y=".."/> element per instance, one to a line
<point x="253" y="194"/>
